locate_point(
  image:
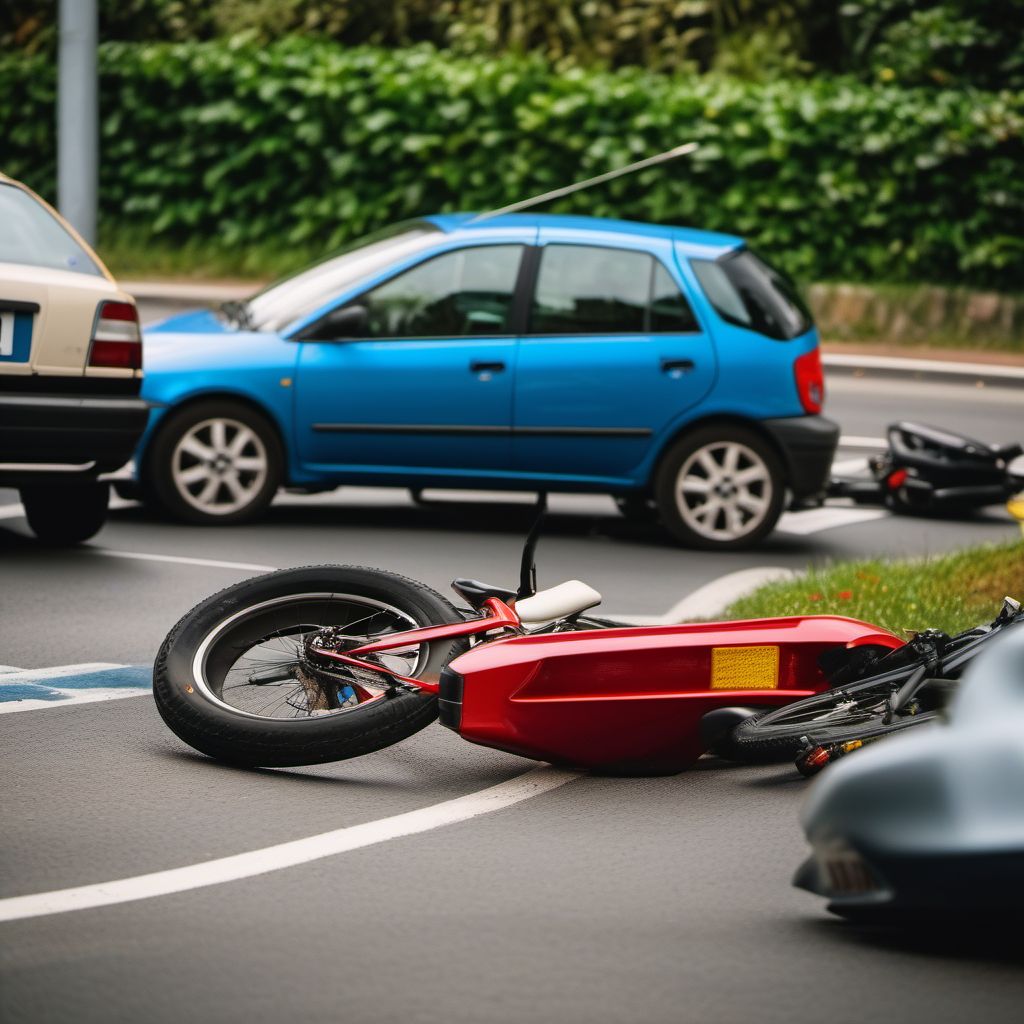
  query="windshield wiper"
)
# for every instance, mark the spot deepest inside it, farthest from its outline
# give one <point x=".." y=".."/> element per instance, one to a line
<point x="238" y="313"/>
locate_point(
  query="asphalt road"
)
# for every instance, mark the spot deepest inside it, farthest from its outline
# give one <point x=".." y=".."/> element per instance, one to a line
<point x="605" y="900"/>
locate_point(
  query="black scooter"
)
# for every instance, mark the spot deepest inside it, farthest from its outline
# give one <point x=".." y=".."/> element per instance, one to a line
<point x="926" y="470"/>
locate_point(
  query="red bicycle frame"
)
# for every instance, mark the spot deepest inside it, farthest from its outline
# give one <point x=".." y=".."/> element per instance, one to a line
<point x="498" y="616"/>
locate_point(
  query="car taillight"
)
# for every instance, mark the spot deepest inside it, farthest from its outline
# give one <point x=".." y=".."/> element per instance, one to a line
<point x="810" y="380"/>
<point x="116" y="339"/>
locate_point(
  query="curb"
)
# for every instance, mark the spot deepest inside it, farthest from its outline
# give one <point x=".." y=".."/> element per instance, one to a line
<point x="932" y="370"/>
<point x="935" y="370"/>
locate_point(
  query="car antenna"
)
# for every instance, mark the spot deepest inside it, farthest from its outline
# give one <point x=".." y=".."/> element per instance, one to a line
<point x="528" y="565"/>
<point x="557" y="193"/>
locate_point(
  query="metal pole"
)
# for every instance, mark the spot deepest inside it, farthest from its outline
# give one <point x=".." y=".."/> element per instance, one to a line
<point x="78" y="115"/>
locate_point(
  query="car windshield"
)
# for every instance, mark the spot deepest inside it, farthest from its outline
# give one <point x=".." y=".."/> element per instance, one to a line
<point x="303" y="293"/>
<point x="747" y="291"/>
<point x="30" y="234"/>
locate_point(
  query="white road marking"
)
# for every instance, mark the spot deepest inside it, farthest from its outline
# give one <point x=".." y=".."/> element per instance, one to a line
<point x="713" y="598"/>
<point x="817" y="519"/>
<point x="44" y="675"/>
<point x="858" y="441"/>
<point x="849" y="466"/>
<point x="213" y="563"/>
<point x="287" y="855"/>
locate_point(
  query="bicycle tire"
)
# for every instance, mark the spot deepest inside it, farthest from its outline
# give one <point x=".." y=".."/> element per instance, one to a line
<point x="189" y="705"/>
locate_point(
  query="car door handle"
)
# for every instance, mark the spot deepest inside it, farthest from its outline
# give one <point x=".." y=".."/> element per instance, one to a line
<point x="676" y="367"/>
<point x="484" y="367"/>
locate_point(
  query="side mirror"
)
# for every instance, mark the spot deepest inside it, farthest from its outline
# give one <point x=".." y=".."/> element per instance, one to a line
<point x="341" y="324"/>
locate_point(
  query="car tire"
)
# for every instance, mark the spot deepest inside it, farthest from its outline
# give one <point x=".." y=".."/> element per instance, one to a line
<point x="720" y="488"/>
<point x="217" y="462"/>
<point x="65" y="514"/>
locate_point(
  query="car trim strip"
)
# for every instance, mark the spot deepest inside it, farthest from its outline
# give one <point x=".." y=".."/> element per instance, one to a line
<point x="478" y="430"/>
<point x="16" y="306"/>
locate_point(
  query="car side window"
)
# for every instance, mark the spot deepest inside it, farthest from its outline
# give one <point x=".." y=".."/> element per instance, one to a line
<point x="457" y="294"/>
<point x="670" y="312"/>
<point x="598" y="290"/>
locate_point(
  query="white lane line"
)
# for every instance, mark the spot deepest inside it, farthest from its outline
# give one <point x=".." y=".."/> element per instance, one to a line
<point x="817" y="519"/>
<point x="713" y="598"/>
<point x="214" y="563"/>
<point x="44" y="675"/>
<point x="849" y="466"/>
<point x="68" y="698"/>
<point x="286" y="855"/>
<point x="858" y="441"/>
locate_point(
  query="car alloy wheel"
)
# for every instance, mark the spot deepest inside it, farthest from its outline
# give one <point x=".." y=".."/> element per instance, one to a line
<point x="724" y="491"/>
<point x="219" y="466"/>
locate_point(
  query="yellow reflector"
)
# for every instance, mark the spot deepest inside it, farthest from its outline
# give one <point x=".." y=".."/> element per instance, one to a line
<point x="744" y="668"/>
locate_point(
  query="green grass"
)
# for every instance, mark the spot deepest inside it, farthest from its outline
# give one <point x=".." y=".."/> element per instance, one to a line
<point x="949" y="592"/>
<point x="136" y="257"/>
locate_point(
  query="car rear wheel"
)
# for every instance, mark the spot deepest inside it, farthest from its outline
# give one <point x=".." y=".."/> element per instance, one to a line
<point x="62" y="514"/>
<point x="216" y="462"/>
<point x="720" y="488"/>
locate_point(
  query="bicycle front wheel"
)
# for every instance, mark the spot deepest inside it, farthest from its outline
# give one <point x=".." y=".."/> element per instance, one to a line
<point x="236" y="678"/>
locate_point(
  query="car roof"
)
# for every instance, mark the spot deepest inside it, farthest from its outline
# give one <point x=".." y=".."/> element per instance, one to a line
<point x="692" y="240"/>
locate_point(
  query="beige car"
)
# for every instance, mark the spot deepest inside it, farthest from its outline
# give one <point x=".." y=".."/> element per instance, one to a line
<point x="70" y="369"/>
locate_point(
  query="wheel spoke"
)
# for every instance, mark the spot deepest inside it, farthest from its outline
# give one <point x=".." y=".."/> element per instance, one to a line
<point x="243" y="437"/>
<point x="751" y="475"/>
<point x="249" y="463"/>
<point x="207" y="494"/>
<point x="191" y="444"/>
<point x="751" y="502"/>
<point x="234" y="486"/>
<point x="695" y="485"/>
<point x="707" y="460"/>
<point x="730" y="461"/>
<point x="194" y="474"/>
<point x="218" y="435"/>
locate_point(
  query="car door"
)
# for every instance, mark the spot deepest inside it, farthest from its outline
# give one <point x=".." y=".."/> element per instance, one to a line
<point x="613" y="354"/>
<point x="426" y="382"/>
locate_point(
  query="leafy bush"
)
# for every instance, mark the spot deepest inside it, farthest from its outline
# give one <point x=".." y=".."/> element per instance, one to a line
<point x="302" y="143"/>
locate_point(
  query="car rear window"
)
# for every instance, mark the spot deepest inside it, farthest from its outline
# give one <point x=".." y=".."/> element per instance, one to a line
<point x="747" y="291"/>
<point x="30" y="234"/>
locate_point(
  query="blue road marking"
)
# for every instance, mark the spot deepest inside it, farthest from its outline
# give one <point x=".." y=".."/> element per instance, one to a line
<point x="59" y="685"/>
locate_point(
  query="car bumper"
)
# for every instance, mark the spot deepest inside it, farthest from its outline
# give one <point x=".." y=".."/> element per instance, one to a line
<point x="885" y="887"/>
<point x="46" y="436"/>
<point x="808" y="444"/>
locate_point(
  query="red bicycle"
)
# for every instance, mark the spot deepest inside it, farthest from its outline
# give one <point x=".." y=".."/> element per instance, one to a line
<point x="319" y="664"/>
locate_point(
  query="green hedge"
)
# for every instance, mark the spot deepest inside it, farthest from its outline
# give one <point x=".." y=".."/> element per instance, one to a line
<point x="305" y="143"/>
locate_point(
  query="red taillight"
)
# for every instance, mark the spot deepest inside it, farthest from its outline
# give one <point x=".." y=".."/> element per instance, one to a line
<point x="810" y="381"/>
<point x="116" y="339"/>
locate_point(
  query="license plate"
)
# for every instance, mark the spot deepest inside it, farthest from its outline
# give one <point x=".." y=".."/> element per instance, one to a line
<point x="744" y="668"/>
<point x="15" y="336"/>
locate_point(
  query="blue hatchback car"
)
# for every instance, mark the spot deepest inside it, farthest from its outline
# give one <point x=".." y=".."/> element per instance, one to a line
<point x="670" y="367"/>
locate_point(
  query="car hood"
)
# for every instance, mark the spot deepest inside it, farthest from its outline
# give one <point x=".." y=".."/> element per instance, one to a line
<point x="192" y="321"/>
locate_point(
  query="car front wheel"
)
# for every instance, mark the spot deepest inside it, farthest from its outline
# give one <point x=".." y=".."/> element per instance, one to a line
<point x="720" y="488"/>
<point x="216" y="462"/>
